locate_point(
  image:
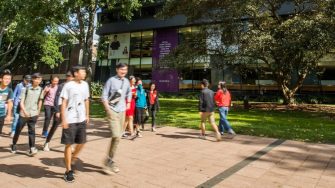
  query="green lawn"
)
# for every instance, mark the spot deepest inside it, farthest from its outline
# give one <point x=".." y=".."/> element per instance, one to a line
<point x="293" y="125"/>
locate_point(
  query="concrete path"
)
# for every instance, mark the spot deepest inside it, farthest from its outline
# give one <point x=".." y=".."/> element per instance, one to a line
<point x="172" y="157"/>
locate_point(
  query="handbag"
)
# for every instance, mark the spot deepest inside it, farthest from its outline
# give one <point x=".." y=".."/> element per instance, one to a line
<point x="115" y="98"/>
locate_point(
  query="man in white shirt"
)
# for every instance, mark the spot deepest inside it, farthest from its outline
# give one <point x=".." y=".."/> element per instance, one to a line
<point x="75" y="117"/>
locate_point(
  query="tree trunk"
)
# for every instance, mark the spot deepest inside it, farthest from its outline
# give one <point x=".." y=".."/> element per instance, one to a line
<point x="289" y="93"/>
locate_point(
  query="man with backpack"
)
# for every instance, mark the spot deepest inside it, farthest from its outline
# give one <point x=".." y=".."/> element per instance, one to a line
<point x="30" y="107"/>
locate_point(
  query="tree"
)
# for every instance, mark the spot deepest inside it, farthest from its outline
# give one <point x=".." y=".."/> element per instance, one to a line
<point x="25" y="22"/>
<point x="79" y="19"/>
<point x="290" y="44"/>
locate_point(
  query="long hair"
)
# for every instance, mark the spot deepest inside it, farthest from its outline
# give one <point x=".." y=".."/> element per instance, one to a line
<point x="152" y="83"/>
<point x="223" y="86"/>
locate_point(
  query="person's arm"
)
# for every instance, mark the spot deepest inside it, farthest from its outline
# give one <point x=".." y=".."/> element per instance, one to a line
<point x="16" y="91"/>
<point x="157" y="102"/>
<point x="65" y="96"/>
<point x="104" y="97"/>
<point x="129" y="96"/>
<point x="87" y="106"/>
<point x="201" y="101"/>
<point x="9" y="110"/>
<point x="23" y="98"/>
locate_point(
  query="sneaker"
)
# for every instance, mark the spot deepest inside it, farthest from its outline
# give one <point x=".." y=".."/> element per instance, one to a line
<point x="222" y="133"/>
<point x="68" y="176"/>
<point x="139" y="135"/>
<point x="153" y="129"/>
<point x="231" y="131"/>
<point x="110" y="167"/>
<point x="33" y="151"/>
<point x="12" y="134"/>
<point x="124" y="135"/>
<point x="13" y="148"/>
<point x="46" y="147"/>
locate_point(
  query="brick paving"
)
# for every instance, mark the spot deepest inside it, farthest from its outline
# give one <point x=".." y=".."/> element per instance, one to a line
<point x="172" y="157"/>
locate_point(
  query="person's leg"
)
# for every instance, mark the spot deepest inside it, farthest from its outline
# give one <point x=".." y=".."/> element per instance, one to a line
<point x="130" y="120"/>
<point x="15" y="119"/>
<point x="221" y="123"/>
<point x="31" y="131"/>
<point x="19" y="127"/>
<point x="2" y="121"/>
<point x="48" y="113"/>
<point x="153" y="118"/>
<point x="203" y="123"/>
<point x="68" y="157"/>
<point x="225" y="121"/>
<point x="211" y="119"/>
<point x="55" y="124"/>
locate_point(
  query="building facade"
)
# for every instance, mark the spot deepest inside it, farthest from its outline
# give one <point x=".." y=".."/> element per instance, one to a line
<point x="143" y="41"/>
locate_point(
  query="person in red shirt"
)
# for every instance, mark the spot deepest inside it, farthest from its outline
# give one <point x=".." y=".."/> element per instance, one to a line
<point x="223" y="101"/>
<point x="153" y="103"/>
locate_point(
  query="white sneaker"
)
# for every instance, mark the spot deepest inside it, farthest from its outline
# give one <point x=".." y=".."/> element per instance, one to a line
<point x="202" y="137"/>
<point x="139" y="135"/>
<point x="46" y="147"/>
<point x="231" y="131"/>
<point x="33" y="151"/>
<point x="153" y="129"/>
<point x="12" y="134"/>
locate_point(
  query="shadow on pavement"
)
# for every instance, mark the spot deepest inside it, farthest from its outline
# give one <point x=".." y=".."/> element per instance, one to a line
<point x="28" y="170"/>
<point x="79" y="166"/>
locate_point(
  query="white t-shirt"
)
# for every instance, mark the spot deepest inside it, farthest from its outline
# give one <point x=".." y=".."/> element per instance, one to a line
<point x="76" y="94"/>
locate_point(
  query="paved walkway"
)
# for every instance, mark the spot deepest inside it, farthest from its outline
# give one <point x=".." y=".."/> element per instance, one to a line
<point x="174" y="158"/>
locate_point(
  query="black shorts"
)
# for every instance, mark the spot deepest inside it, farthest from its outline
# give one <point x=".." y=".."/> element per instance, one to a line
<point x="75" y="134"/>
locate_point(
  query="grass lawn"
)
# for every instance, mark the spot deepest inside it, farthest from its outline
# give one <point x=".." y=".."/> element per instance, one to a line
<point x="292" y="125"/>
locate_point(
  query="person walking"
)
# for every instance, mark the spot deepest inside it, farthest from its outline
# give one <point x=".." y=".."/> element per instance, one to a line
<point x="153" y="103"/>
<point x="116" y="98"/>
<point x="223" y="101"/>
<point x="141" y="106"/>
<point x="30" y="108"/>
<point x="75" y="118"/>
<point x="6" y="98"/>
<point x="16" y="105"/>
<point x="49" y="101"/>
<point x="56" y="116"/>
<point x="131" y="111"/>
<point x="206" y="110"/>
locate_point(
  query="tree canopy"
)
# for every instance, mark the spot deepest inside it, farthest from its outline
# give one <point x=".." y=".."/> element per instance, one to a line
<point x="287" y="37"/>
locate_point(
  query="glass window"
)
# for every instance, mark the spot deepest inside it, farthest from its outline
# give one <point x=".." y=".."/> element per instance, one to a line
<point x="135" y="45"/>
<point x="147" y="44"/>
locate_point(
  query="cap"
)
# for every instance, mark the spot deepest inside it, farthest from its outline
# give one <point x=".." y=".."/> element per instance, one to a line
<point x="27" y="77"/>
<point x="36" y="75"/>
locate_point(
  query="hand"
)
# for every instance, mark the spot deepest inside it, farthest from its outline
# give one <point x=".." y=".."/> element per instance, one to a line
<point x="87" y="120"/>
<point x="57" y="115"/>
<point x="65" y="125"/>
<point x="47" y="89"/>
<point x="25" y="114"/>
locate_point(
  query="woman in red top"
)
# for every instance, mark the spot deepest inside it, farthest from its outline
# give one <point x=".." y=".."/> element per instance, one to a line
<point x="223" y="101"/>
<point x="131" y="111"/>
<point x="153" y="103"/>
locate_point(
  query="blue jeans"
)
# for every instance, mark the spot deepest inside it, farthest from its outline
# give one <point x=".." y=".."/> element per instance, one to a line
<point x="224" y="124"/>
<point x="16" y="118"/>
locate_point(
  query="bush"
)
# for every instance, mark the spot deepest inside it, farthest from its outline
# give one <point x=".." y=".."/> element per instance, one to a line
<point x="96" y="89"/>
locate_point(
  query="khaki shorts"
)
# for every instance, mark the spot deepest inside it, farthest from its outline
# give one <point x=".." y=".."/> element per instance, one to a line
<point x="116" y="121"/>
<point x="207" y="116"/>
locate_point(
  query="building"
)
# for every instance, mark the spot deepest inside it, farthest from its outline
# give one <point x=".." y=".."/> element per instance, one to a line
<point x="143" y="41"/>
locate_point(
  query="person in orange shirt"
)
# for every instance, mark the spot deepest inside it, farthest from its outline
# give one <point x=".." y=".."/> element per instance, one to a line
<point x="223" y="101"/>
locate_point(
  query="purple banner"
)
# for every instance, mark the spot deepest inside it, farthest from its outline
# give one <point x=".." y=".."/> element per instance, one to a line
<point x="165" y="78"/>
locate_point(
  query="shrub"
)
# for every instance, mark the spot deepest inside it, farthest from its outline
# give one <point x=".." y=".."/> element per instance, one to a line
<point x="96" y="89"/>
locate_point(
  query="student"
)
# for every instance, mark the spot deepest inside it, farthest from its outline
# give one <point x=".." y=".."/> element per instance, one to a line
<point x="206" y="109"/>
<point x="56" y="117"/>
<point x="153" y="103"/>
<point x="131" y="111"/>
<point x="75" y="117"/>
<point x="30" y="107"/>
<point x="6" y="98"/>
<point x="16" y="106"/>
<point x="141" y="106"/>
<point x="49" y="101"/>
<point x="116" y="98"/>
<point x="223" y="101"/>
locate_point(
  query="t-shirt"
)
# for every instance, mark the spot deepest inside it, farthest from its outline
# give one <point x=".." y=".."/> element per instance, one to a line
<point x="5" y="95"/>
<point x="34" y="95"/>
<point x="76" y="94"/>
<point x="49" y="99"/>
<point x="222" y="99"/>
